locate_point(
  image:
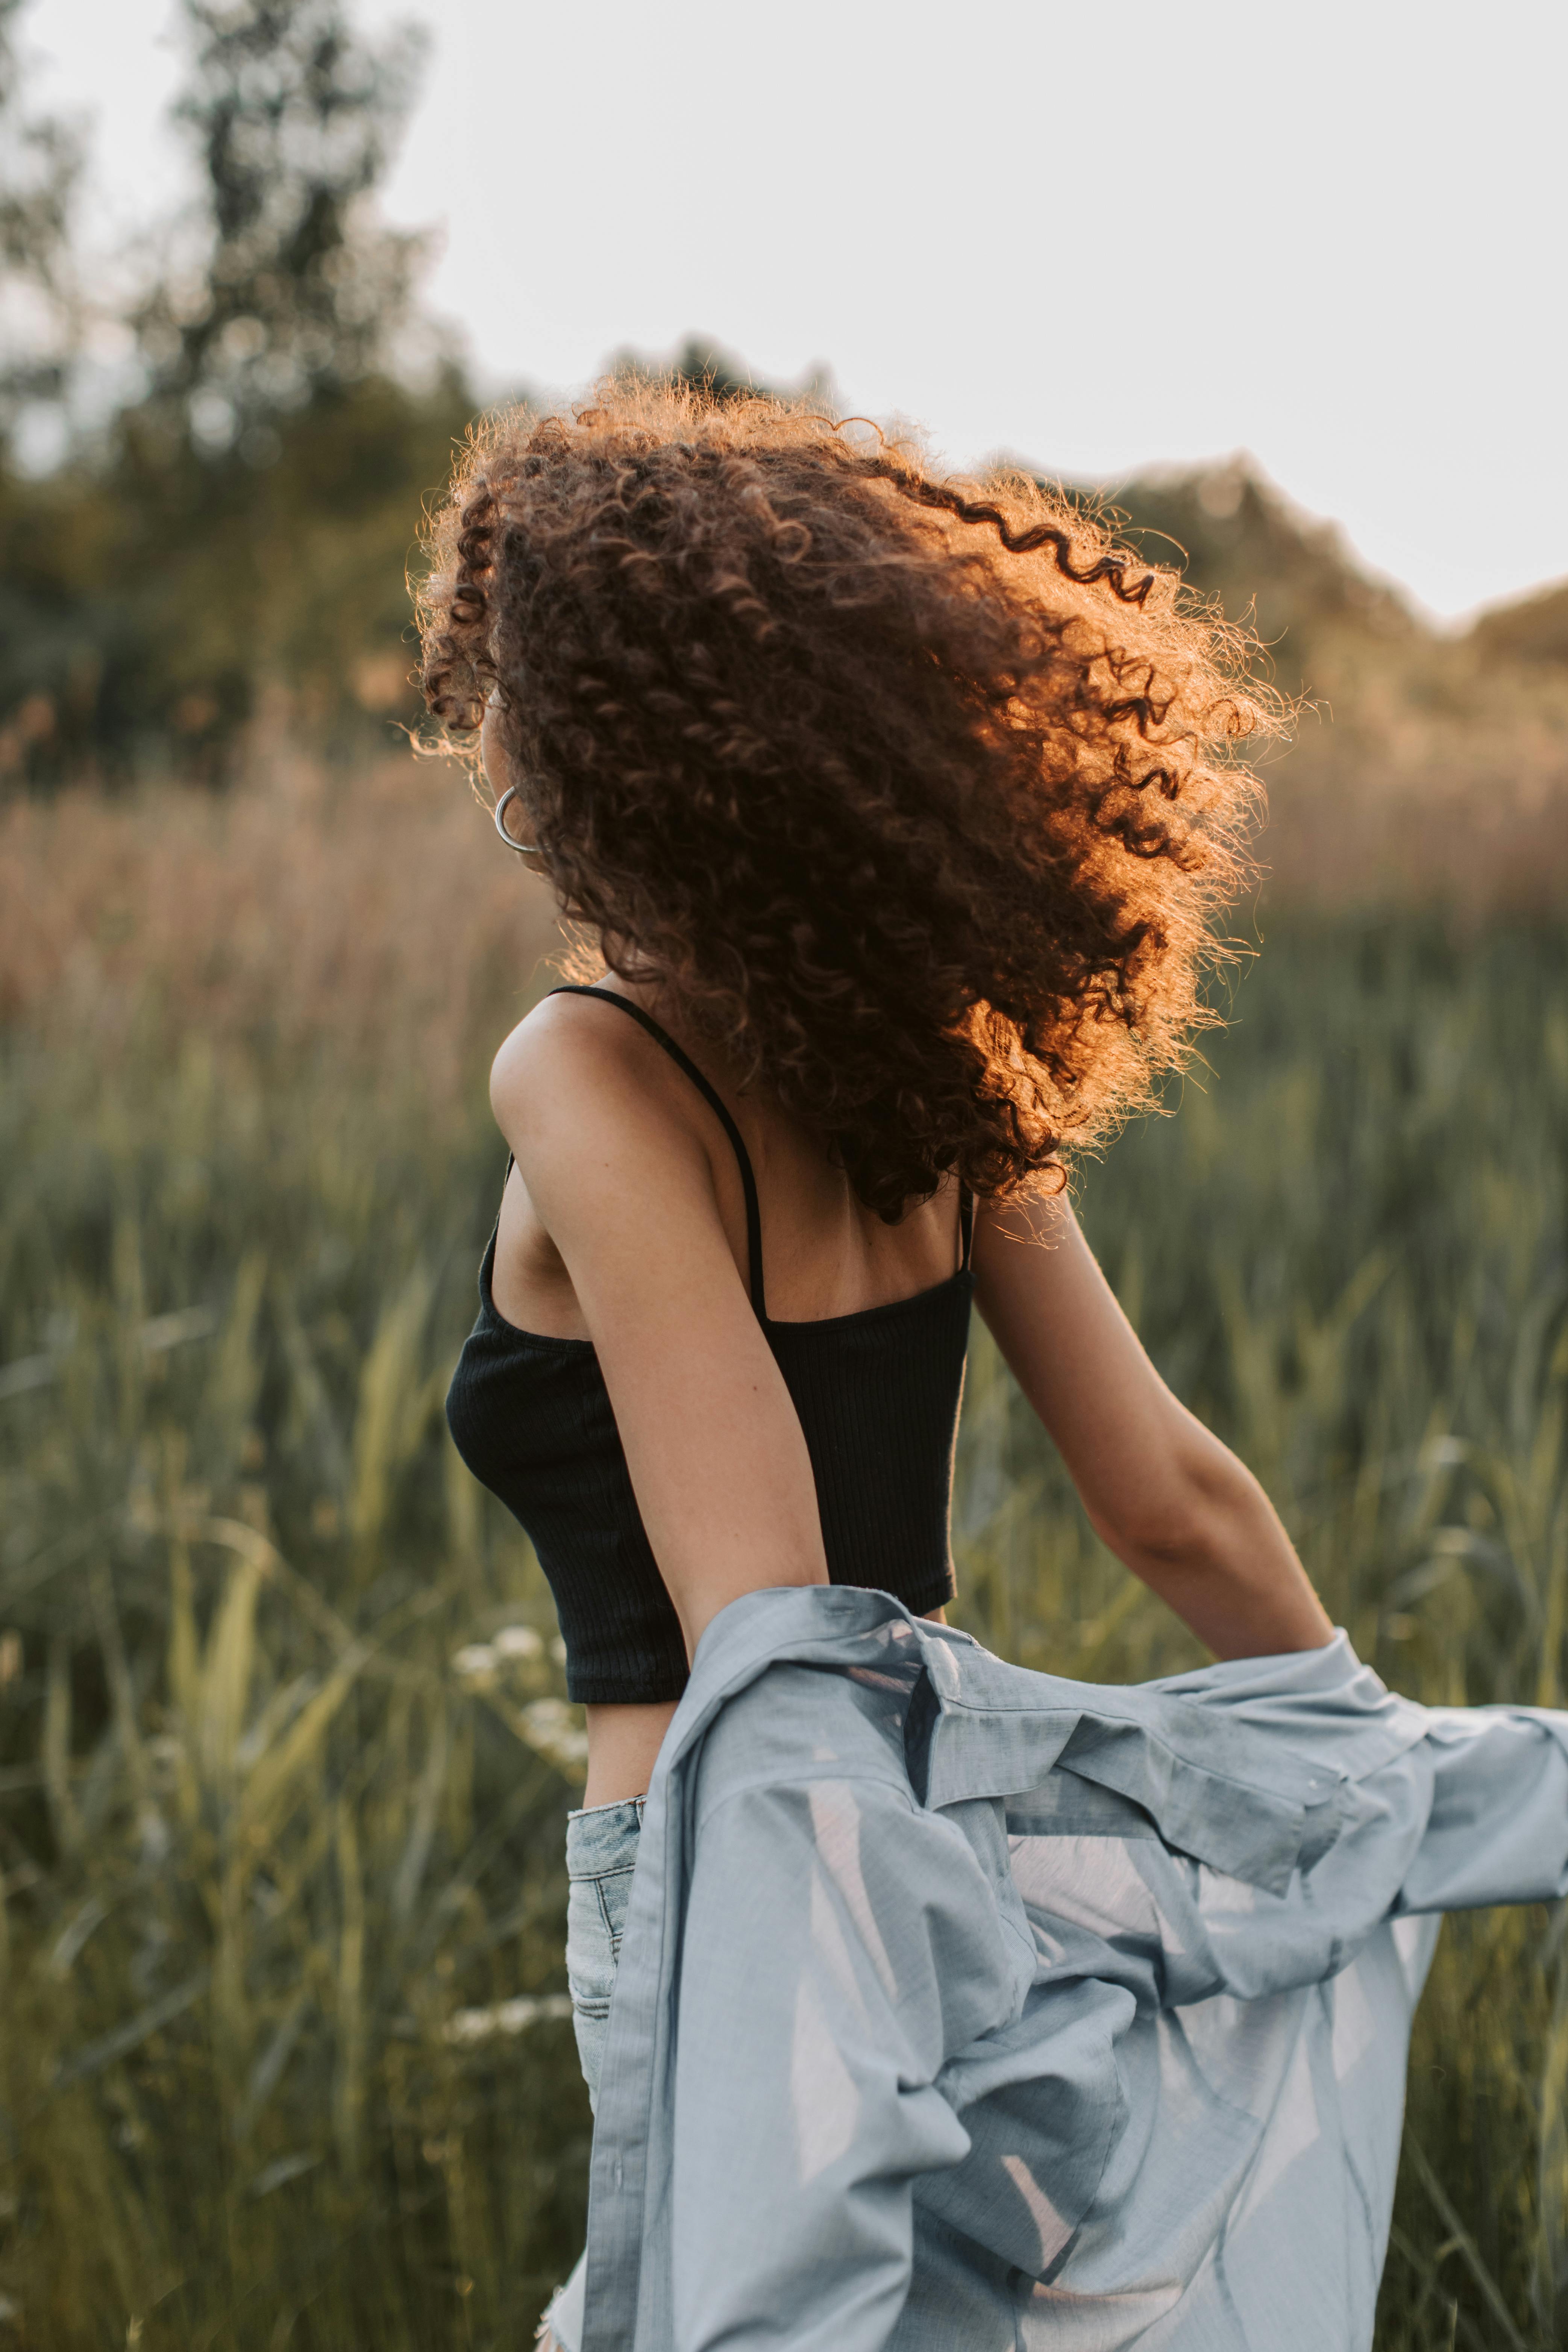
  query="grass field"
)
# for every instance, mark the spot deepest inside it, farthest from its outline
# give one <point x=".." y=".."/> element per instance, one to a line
<point x="283" y="1757"/>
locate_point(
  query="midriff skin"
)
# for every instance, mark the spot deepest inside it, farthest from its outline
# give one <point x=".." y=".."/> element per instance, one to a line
<point x="623" y="1742"/>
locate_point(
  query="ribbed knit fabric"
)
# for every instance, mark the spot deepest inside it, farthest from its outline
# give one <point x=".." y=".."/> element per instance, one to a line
<point x="877" y="1395"/>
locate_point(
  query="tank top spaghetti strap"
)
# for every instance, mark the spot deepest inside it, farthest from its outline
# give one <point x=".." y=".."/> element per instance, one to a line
<point x="715" y="1101"/>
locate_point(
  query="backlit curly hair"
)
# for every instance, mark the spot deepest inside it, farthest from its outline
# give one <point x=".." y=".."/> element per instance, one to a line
<point x="919" y="798"/>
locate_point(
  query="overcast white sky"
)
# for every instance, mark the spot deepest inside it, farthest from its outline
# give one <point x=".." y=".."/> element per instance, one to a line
<point x="1098" y="236"/>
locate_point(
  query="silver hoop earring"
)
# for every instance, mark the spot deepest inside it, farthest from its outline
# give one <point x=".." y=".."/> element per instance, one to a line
<point x="523" y="848"/>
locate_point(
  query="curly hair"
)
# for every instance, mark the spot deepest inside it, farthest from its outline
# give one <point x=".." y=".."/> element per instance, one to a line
<point x="919" y="798"/>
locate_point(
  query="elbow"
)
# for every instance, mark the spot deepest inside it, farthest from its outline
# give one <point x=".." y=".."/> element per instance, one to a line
<point x="1197" y="1517"/>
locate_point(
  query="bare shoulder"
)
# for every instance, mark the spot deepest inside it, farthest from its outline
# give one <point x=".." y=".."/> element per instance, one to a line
<point x="563" y="1040"/>
<point x="576" y="1076"/>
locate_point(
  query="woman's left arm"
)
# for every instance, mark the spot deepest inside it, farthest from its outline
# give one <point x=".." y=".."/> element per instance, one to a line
<point x="1170" y="1501"/>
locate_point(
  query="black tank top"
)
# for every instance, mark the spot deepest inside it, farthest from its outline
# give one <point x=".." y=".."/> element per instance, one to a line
<point x="877" y="1395"/>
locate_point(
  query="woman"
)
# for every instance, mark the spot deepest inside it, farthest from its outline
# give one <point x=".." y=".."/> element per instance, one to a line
<point x="899" y="816"/>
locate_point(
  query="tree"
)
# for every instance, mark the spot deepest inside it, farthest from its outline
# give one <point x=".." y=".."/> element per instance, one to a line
<point x="240" y="530"/>
<point x="289" y="290"/>
<point x="40" y="166"/>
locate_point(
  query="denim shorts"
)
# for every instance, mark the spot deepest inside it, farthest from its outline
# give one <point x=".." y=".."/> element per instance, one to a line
<point x="601" y="1855"/>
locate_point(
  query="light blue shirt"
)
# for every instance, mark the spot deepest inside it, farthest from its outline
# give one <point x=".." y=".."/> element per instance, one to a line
<point x="962" y="2009"/>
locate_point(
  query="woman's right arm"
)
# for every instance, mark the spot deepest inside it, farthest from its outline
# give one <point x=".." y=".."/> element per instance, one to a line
<point x="622" y="1184"/>
<point x="1159" y="1490"/>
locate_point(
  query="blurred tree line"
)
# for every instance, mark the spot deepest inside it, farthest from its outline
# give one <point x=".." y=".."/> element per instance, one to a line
<point x="236" y="523"/>
<point x="220" y="521"/>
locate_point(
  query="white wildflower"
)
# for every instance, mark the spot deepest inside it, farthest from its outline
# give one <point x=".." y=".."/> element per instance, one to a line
<point x="517" y="1642"/>
<point x="506" y="2016"/>
<point x="555" y="1731"/>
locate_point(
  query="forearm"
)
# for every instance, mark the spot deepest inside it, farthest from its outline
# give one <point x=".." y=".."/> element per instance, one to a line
<point x="1170" y="1501"/>
<point x="1218" y="1557"/>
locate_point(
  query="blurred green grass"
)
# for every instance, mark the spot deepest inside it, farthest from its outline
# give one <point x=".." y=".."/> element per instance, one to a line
<point x="283" y="1761"/>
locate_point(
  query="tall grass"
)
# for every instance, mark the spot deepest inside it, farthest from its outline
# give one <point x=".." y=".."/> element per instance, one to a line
<point x="283" y="1757"/>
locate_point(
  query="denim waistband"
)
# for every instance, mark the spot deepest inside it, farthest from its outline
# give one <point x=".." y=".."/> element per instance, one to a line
<point x="603" y="1837"/>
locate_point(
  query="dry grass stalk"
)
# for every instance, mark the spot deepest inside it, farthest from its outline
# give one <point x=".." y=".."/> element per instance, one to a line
<point x="377" y="914"/>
